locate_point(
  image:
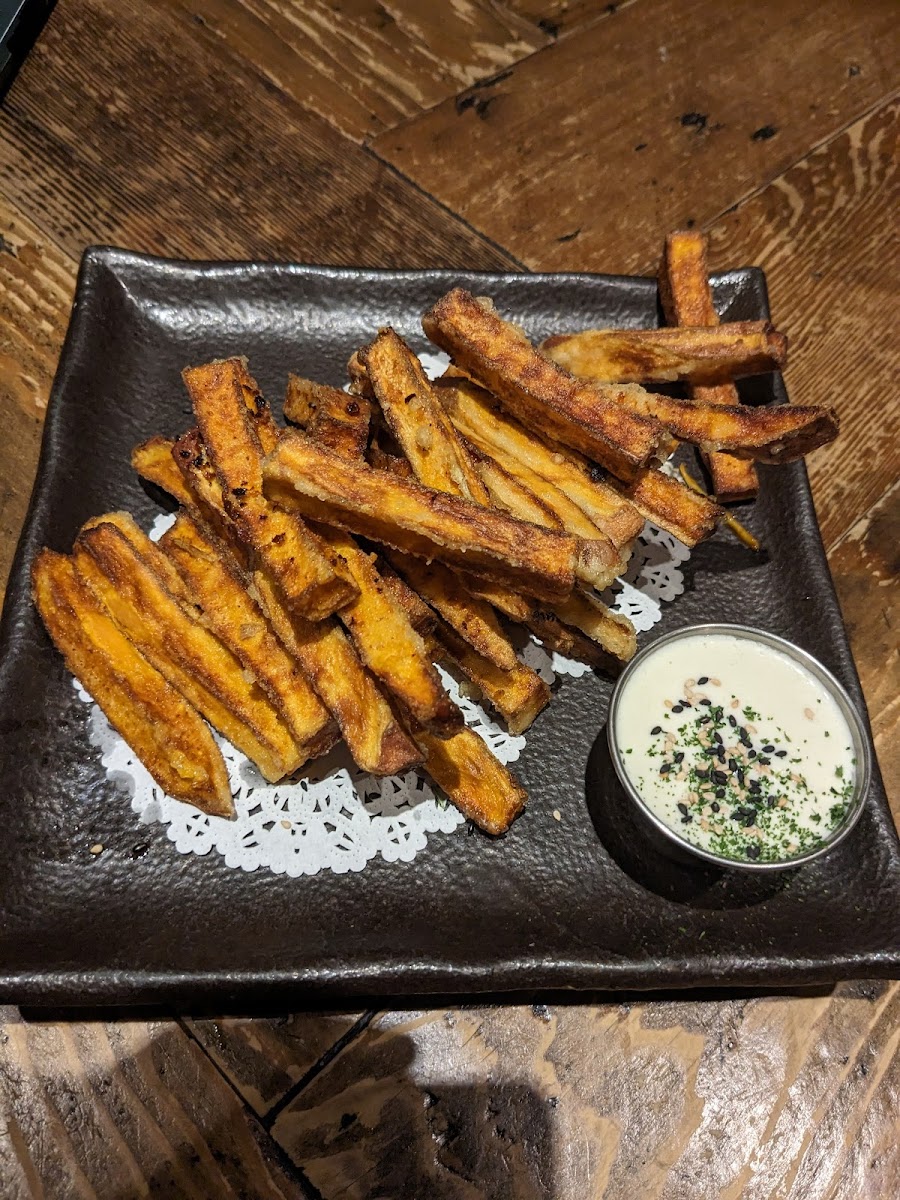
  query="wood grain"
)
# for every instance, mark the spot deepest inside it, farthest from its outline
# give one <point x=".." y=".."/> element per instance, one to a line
<point x="36" y="285"/>
<point x="125" y="1110"/>
<point x="561" y="17"/>
<point x="184" y="152"/>
<point x="587" y="153"/>
<point x="264" y="1057"/>
<point x="820" y="232"/>
<point x="669" y="1099"/>
<point x="366" y="66"/>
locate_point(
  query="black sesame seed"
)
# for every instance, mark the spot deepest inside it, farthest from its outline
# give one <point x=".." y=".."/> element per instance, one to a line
<point x="753" y="851"/>
<point x="679" y="757"/>
<point x="781" y="753"/>
<point x="665" y="768"/>
<point x="750" y="753"/>
<point x="720" y="754"/>
<point x="736" y="815"/>
<point x="682" y="808"/>
<point x="764" y="762"/>
<point x="755" y="785"/>
<point x="707" y="702"/>
<point x="749" y="819"/>
<point x="720" y="777"/>
<point x="740" y="776"/>
<point x="655" y="730"/>
<point x="715" y="807"/>
<point x="732" y="720"/>
<point x="717" y="737"/>
<point x="686" y="704"/>
<point x="732" y="764"/>
<point x="703" y="679"/>
<point x="687" y="820"/>
<point x="703" y="721"/>
<point x="677" y="708"/>
<point x="720" y="793"/>
<point x="702" y="773"/>
<point x="770" y="801"/>
<point x="768" y="749"/>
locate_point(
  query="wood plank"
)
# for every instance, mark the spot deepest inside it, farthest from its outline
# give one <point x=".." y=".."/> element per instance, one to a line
<point x="265" y="1057"/>
<point x="866" y="570"/>
<point x="820" y="232"/>
<point x="561" y="17"/>
<point x="590" y="151"/>
<point x="36" y="285"/>
<point x="658" y="1099"/>
<point x="125" y="1110"/>
<point x="367" y="66"/>
<point x="126" y="126"/>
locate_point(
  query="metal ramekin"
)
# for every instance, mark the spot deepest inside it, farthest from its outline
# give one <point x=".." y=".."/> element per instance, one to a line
<point x="684" y="849"/>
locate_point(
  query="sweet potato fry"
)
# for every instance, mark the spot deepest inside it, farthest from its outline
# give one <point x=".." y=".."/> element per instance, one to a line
<point x="195" y="662"/>
<point x="536" y="390"/>
<point x="509" y="493"/>
<point x="778" y="434"/>
<point x="480" y="786"/>
<point x="331" y="417"/>
<point x="418" y="421"/>
<point x="694" y="354"/>
<point x="670" y="505"/>
<point x="428" y="524"/>
<point x="614" y="633"/>
<point x="164" y="730"/>
<point x="518" y="694"/>
<point x="220" y="392"/>
<point x="687" y="300"/>
<point x="478" y="416"/>
<point x="153" y="461"/>
<point x="388" y="645"/>
<point x="472" y="618"/>
<point x="222" y="603"/>
<point x="327" y="659"/>
<point x="571" y="642"/>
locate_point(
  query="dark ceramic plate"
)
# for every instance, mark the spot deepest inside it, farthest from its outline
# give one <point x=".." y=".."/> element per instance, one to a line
<point x="576" y="903"/>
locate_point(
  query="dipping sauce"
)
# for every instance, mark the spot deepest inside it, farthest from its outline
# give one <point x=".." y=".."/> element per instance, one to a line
<point x="736" y="747"/>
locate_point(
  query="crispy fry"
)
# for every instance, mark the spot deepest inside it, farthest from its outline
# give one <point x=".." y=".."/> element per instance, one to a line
<point x="613" y="632"/>
<point x="695" y="354"/>
<point x="509" y="493"/>
<point x="472" y="618"/>
<point x="537" y="391"/>
<point x="153" y="461"/>
<point x="669" y="504"/>
<point x="421" y="617"/>
<point x="741" y="532"/>
<point x="478" y="416"/>
<point x="220" y="392"/>
<point x="329" y="416"/>
<point x="388" y="644"/>
<point x="778" y="434"/>
<point x="164" y="730"/>
<point x="570" y="642"/>
<point x="480" y="786"/>
<point x="222" y="603"/>
<point x="194" y="661"/>
<point x="417" y="420"/>
<point x="414" y="519"/>
<point x="327" y="659"/>
<point x="518" y="694"/>
<point x="687" y="300"/>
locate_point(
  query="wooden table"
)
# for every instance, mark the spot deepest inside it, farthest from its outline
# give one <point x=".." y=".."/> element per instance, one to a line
<point x="529" y="134"/>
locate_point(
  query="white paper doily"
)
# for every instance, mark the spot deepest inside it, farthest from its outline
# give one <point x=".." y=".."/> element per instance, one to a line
<point x="335" y="817"/>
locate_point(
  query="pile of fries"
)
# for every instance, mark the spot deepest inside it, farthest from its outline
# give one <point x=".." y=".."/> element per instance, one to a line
<point x="314" y="576"/>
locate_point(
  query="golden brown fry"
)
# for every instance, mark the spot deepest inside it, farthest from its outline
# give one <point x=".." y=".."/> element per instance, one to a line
<point x="614" y="633"/>
<point x="687" y="300"/>
<point x="194" y="661"/>
<point x="327" y="659"/>
<point x="509" y="493"/>
<point x="668" y="504"/>
<point x="418" y="421"/>
<point x="164" y="730"/>
<point x="741" y="532"/>
<point x="778" y="434"/>
<point x="428" y="524"/>
<point x="221" y="602"/>
<point x="220" y="393"/>
<point x="420" y="616"/>
<point x="153" y="461"/>
<point x="388" y="644"/>
<point x="694" y="354"/>
<point x="472" y="618"/>
<point x="480" y="786"/>
<point x="331" y="417"/>
<point x="564" y="473"/>
<point x="518" y="694"/>
<point x="570" y="642"/>
<point x="205" y="492"/>
<point x="534" y="389"/>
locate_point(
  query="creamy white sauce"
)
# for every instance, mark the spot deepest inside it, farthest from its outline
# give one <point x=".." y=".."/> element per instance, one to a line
<point x="736" y="747"/>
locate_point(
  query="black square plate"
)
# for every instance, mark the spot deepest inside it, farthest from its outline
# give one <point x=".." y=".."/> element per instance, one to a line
<point x="574" y="903"/>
